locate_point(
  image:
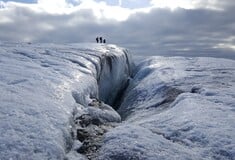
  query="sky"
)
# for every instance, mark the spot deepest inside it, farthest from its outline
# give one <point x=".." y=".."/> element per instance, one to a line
<point x="145" y="27"/>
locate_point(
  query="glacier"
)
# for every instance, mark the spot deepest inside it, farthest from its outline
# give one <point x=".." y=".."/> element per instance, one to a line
<point x="41" y="87"/>
<point x="95" y="101"/>
<point x="176" y="108"/>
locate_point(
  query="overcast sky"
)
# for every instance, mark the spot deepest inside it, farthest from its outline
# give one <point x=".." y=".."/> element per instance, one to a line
<point x="146" y="27"/>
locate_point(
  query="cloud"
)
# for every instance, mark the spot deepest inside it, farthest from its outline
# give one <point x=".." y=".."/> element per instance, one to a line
<point x="160" y="31"/>
<point x="120" y="2"/>
<point x="173" y="4"/>
<point x="195" y="4"/>
<point x="194" y="32"/>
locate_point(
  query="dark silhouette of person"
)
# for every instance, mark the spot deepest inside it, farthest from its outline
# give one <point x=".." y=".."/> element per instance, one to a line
<point x="101" y="39"/>
<point x="104" y="41"/>
<point x="97" y="39"/>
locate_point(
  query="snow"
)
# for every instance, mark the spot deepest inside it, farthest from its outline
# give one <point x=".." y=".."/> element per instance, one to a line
<point x="41" y="85"/>
<point x="176" y="108"/>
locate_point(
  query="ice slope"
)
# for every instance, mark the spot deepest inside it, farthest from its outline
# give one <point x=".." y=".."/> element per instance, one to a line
<point x="42" y="84"/>
<point x="176" y="108"/>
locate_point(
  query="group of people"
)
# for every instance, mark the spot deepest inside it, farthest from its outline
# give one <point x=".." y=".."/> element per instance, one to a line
<point x="100" y="40"/>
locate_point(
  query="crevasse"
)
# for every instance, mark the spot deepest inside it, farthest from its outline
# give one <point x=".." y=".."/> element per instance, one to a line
<point x="44" y="86"/>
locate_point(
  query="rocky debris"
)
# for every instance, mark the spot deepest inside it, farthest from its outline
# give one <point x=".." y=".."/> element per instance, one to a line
<point x="89" y="124"/>
<point x="95" y="102"/>
<point x="84" y="120"/>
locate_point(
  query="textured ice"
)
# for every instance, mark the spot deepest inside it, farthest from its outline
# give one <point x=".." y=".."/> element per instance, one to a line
<point x="176" y="108"/>
<point x="40" y="85"/>
<point x="173" y="108"/>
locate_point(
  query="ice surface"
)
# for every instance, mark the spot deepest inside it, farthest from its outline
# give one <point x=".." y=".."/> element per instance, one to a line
<point x="53" y="102"/>
<point x="176" y="108"/>
<point x="40" y="85"/>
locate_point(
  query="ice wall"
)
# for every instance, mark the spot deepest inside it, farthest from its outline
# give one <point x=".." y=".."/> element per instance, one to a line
<point x="115" y="73"/>
<point x="41" y="84"/>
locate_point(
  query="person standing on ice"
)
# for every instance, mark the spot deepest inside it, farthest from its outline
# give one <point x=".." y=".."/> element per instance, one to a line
<point x="101" y="39"/>
<point x="104" y="41"/>
<point x="97" y="39"/>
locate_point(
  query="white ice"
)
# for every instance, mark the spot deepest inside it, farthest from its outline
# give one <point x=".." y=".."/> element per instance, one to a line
<point x="176" y="108"/>
<point x="40" y="85"/>
<point x="173" y="108"/>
